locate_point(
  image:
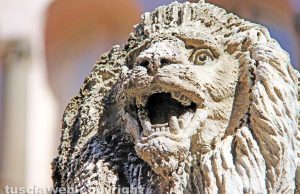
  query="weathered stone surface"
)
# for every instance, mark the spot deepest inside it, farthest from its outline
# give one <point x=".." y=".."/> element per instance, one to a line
<point x="198" y="101"/>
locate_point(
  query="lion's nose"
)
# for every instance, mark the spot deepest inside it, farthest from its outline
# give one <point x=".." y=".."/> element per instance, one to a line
<point x="153" y="64"/>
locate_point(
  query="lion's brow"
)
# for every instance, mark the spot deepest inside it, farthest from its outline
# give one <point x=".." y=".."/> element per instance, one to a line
<point x="201" y="42"/>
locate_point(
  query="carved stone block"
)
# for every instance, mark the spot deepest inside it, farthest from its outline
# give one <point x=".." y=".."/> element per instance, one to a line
<point x="197" y="101"/>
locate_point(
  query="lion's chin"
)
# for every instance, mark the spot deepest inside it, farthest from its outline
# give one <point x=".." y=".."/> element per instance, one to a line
<point x="163" y="154"/>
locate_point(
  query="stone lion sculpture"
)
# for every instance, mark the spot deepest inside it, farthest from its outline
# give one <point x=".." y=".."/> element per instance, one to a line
<point x="197" y="101"/>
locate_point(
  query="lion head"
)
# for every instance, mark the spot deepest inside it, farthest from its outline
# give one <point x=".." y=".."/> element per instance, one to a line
<point x="177" y="89"/>
<point x="208" y="101"/>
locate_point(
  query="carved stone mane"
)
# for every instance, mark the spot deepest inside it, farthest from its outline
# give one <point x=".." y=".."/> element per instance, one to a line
<point x="197" y="101"/>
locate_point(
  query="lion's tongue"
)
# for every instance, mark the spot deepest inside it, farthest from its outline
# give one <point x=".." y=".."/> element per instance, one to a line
<point x="161" y="107"/>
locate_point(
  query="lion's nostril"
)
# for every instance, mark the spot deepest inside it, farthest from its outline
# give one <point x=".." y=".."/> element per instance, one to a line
<point x="152" y="65"/>
<point x="164" y="62"/>
<point x="144" y="63"/>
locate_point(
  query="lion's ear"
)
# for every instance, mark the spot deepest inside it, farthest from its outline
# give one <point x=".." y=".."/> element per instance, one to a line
<point x="82" y="115"/>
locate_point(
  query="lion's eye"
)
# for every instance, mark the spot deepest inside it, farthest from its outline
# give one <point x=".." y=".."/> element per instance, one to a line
<point x="202" y="56"/>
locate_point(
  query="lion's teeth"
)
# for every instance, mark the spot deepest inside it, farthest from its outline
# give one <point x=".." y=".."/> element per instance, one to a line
<point x="181" y="123"/>
<point x="175" y="95"/>
<point x="168" y="129"/>
<point x="199" y="116"/>
<point x="160" y="125"/>
<point x="186" y="103"/>
<point x="145" y="122"/>
<point x="146" y="132"/>
<point x="181" y="98"/>
<point x="185" y="119"/>
<point x="173" y="124"/>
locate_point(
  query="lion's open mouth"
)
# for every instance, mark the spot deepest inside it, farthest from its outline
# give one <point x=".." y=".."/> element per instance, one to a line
<point x="169" y="113"/>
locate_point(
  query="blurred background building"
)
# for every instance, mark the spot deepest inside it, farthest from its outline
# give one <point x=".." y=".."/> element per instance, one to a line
<point x="48" y="47"/>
